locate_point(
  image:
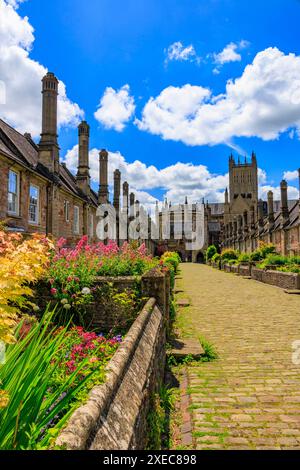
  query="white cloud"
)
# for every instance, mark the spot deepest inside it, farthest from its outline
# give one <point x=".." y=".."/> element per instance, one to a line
<point x="116" y="108"/>
<point x="178" y="52"/>
<point x="229" y="54"/>
<point x="293" y="193"/>
<point x="22" y="76"/>
<point x="175" y="181"/>
<point x="262" y="103"/>
<point x="291" y="175"/>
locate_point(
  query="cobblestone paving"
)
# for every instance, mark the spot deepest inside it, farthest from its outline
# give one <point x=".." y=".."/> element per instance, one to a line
<point x="250" y="397"/>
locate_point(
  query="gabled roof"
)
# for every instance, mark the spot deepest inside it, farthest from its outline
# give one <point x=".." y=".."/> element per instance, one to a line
<point x="24" y="151"/>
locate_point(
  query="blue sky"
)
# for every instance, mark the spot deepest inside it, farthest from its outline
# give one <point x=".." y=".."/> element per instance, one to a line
<point x="97" y="44"/>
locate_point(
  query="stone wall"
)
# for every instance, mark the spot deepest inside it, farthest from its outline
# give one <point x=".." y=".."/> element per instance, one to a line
<point x="115" y="415"/>
<point x="103" y="314"/>
<point x="245" y="270"/>
<point x="277" y="278"/>
<point x="234" y="268"/>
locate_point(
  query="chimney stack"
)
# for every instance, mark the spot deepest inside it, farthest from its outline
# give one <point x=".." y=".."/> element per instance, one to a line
<point x="117" y="189"/>
<point x="270" y="208"/>
<point x="125" y="197"/>
<point x="48" y="146"/>
<point x="131" y="205"/>
<point x="83" y="174"/>
<point x="284" y="202"/>
<point x="103" y="177"/>
<point x="260" y="212"/>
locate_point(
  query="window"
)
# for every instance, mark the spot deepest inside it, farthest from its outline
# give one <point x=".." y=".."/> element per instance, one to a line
<point x="76" y="220"/>
<point x="34" y="196"/>
<point x="67" y="211"/>
<point x="13" y="192"/>
<point x="91" y="226"/>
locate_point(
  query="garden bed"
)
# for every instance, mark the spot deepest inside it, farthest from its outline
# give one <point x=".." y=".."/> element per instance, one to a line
<point x="133" y="375"/>
<point x="284" y="280"/>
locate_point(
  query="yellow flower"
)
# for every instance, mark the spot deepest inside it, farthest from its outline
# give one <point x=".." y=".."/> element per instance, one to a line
<point x="3" y="399"/>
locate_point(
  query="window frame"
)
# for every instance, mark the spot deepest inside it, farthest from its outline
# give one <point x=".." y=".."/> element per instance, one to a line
<point x="76" y="224"/>
<point x="37" y="221"/>
<point x="15" y="213"/>
<point x="67" y="211"/>
<point x="91" y="226"/>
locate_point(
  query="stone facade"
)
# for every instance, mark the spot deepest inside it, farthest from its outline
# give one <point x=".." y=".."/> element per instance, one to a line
<point x="249" y="220"/>
<point x="34" y="184"/>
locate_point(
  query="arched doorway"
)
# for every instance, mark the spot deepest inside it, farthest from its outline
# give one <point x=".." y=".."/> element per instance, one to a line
<point x="200" y="258"/>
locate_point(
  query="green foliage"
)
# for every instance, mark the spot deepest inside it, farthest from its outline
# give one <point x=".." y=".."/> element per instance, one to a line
<point x="266" y="249"/>
<point x="216" y="258"/>
<point x="274" y="260"/>
<point x="255" y="256"/>
<point x="210" y="352"/>
<point x="244" y="258"/>
<point x="162" y="403"/>
<point x="123" y="306"/>
<point x="282" y="263"/>
<point x="210" y="252"/>
<point x="43" y="384"/>
<point x="262" y="252"/>
<point x="229" y="254"/>
<point x="171" y="258"/>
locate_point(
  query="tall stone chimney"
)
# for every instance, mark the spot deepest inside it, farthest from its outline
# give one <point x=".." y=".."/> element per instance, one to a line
<point x="131" y="205"/>
<point x="260" y="212"/>
<point x="103" y="177"/>
<point x="83" y="173"/>
<point x="271" y="208"/>
<point x="125" y="197"/>
<point x="48" y="146"/>
<point x="284" y="202"/>
<point x="117" y="189"/>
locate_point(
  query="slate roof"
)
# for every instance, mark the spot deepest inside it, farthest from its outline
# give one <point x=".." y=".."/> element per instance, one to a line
<point x="24" y="151"/>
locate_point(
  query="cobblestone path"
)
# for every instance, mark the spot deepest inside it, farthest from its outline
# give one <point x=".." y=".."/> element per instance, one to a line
<point x="250" y="397"/>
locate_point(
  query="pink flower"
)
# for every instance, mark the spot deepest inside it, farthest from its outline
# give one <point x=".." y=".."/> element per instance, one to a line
<point x="53" y="291"/>
<point x="61" y="242"/>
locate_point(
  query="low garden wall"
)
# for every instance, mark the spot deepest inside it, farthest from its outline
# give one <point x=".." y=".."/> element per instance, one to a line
<point x="284" y="280"/>
<point x="277" y="278"/>
<point x="245" y="269"/>
<point x="102" y="313"/>
<point x="115" y="415"/>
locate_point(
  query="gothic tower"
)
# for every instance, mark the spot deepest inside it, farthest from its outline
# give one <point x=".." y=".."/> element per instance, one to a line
<point x="243" y="180"/>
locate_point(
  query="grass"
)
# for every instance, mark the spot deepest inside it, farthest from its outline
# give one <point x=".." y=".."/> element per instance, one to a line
<point x="210" y="352"/>
<point x="162" y="405"/>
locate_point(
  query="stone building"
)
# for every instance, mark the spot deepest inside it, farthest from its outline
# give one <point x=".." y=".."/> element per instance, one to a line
<point x="37" y="192"/>
<point x="179" y="224"/>
<point x="249" y="220"/>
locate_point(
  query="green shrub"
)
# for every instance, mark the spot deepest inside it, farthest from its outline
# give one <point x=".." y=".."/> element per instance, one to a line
<point x="266" y="249"/>
<point x="210" y="252"/>
<point x="229" y="254"/>
<point x="216" y="258"/>
<point x="244" y="258"/>
<point x="295" y="260"/>
<point x="255" y="256"/>
<point x="45" y="374"/>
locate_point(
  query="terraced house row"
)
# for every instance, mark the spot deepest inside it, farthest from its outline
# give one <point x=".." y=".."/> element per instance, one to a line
<point x="249" y="220"/>
<point x="38" y="193"/>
